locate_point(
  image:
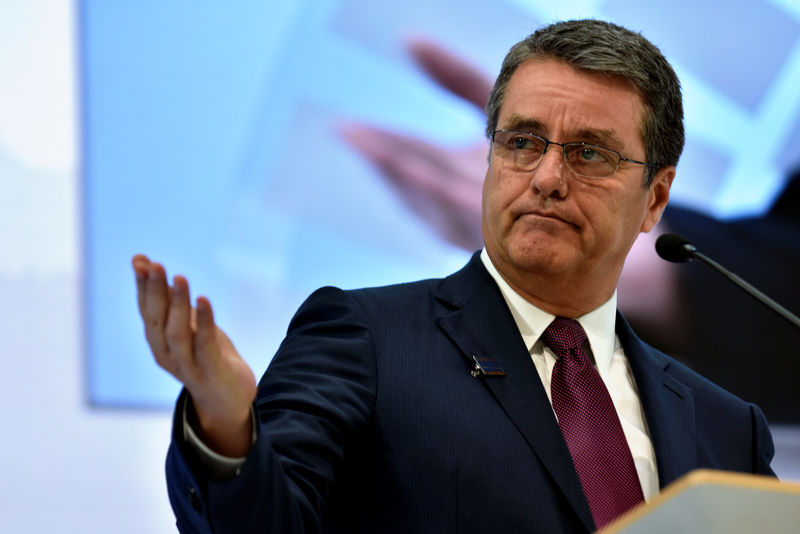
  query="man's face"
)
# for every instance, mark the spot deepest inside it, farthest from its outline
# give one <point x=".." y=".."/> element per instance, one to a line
<point x="550" y="222"/>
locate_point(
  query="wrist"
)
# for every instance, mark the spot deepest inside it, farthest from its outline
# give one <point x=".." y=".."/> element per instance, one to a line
<point x="226" y="434"/>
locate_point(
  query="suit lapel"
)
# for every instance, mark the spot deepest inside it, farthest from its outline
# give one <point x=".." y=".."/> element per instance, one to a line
<point x="475" y="316"/>
<point x="668" y="406"/>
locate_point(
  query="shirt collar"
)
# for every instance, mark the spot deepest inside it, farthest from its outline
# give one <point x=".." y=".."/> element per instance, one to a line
<point x="531" y="321"/>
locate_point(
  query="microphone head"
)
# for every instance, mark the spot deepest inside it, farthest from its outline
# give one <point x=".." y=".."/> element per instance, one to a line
<point x="675" y="248"/>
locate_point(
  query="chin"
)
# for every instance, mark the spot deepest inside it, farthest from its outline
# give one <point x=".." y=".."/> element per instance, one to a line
<point x="541" y="259"/>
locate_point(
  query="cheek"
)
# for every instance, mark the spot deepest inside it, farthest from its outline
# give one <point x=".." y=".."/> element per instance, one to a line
<point x="627" y="215"/>
<point x="486" y="196"/>
<point x="498" y="194"/>
<point x="609" y="217"/>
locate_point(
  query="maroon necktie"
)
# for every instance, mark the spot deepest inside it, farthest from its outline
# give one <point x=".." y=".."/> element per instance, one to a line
<point x="590" y="426"/>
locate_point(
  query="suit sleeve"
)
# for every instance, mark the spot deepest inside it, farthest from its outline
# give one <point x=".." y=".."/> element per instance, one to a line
<point x="763" y="446"/>
<point x="314" y="399"/>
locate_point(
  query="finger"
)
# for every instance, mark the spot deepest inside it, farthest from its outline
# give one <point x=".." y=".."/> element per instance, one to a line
<point x="141" y="266"/>
<point x="206" y="345"/>
<point x="193" y="320"/>
<point x="154" y="311"/>
<point x="177" y="330"/>
<point x="140" y="262"/>
<point x="211" y="335"/>
<point x="394" y="154"/>
<point x="452" y="71"/>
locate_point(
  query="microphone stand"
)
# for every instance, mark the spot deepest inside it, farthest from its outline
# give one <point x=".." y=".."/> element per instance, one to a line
<point x="745" y="286"/>
<point x="676" y="248"/>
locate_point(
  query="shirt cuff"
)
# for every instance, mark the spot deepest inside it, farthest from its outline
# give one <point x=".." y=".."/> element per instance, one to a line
<point x="218" y="467"/>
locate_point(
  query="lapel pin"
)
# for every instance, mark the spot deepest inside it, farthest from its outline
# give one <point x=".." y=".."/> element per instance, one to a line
<point x="486" y="367"/>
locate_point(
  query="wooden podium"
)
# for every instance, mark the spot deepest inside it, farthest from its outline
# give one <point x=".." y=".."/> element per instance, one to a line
<point x="711" y="502"/>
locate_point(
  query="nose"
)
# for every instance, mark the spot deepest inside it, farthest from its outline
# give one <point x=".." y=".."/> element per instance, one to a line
<point x="549" y="177"/>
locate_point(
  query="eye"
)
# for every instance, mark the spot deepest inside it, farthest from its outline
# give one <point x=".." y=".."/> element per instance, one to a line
<point x="583" y="154"/>
<point x="520" y="142"/>
<point x="591" y="160"/>
<point x="592" y="155"/>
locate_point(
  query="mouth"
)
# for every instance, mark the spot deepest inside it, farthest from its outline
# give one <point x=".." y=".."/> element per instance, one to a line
<point x="537" y="216"/>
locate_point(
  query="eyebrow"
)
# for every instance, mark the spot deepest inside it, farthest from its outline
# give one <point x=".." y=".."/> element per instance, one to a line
<point x="518" y="122"/>
<point x="608" y="138"/>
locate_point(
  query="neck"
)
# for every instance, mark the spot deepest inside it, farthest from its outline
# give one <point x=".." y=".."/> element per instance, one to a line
<point x="567" y="295"/>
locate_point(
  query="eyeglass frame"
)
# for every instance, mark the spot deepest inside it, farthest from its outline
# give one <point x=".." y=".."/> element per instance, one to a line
<point x="564" y="146"/>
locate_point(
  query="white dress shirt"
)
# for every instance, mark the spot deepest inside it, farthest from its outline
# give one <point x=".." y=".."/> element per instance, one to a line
<point x="609" y="360"/>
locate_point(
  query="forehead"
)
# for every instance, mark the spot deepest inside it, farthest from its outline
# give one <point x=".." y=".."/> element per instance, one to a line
<point x="562" y="101"/>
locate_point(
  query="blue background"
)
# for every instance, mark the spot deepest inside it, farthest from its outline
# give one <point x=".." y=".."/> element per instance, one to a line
<point x="210" y="142"/>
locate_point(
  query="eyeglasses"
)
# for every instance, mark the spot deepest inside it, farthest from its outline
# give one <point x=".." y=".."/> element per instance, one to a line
<point x="523" y="150"/>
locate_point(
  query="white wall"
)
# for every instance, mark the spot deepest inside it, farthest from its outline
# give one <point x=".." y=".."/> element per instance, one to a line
<point x="65" y="466"/>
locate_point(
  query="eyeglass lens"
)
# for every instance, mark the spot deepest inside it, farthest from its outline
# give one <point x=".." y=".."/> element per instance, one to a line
<point x="524" y="150"/>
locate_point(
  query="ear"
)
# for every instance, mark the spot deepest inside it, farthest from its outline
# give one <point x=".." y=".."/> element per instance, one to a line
<point x="657" y="197"/>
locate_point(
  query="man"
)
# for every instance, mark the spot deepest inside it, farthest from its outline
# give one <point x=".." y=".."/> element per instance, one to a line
<point x="683" y="309"/>
<point x="470" y="403"/>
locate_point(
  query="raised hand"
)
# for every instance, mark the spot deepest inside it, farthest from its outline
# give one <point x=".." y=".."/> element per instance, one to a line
<point x="442" y="186"/>
<point x="187" y="343"/>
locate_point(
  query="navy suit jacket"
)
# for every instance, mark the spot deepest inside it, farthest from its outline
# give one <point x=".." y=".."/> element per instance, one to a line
<point x="369" y="420"/>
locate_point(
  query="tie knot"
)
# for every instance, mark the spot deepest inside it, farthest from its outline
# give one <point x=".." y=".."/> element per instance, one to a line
<point x="564" y="335"/>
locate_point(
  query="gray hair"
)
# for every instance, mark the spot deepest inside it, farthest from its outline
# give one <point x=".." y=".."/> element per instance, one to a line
<point x="606" y="49"/>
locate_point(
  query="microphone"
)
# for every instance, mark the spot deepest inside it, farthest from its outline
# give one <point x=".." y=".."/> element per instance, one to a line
<point x="678" y="249"/>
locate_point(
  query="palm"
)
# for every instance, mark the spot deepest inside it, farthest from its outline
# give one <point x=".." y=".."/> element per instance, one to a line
<point x="187" y="343"/>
